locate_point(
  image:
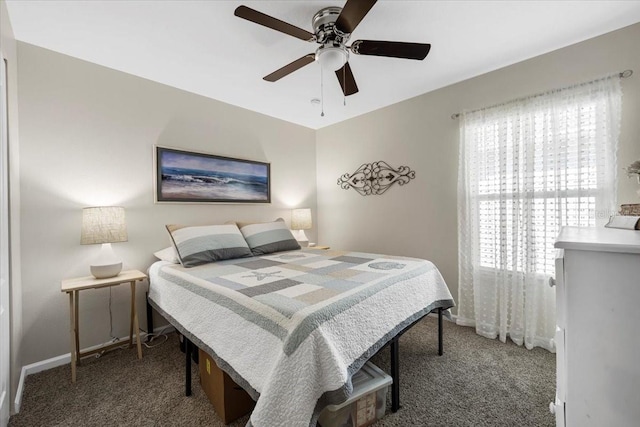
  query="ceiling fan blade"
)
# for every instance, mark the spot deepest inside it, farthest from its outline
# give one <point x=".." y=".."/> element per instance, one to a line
<point x="405" y="50"/>
<point x="346" y="79"/>
<point x="352" y="13"/>
<point x="290" y="68"/>
<point x="273" y="23"/>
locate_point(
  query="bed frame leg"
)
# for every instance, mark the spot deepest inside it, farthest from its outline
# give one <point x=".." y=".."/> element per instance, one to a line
<point x="189" y="348"/>
<point x="395" y="374"/>
<point x="149" y="318"/>
<point x="183" y="346"/>
<point x="440" y="345"/>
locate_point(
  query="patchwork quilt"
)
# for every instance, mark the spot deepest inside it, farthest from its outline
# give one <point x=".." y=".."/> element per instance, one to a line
<point x="293" y="327"/>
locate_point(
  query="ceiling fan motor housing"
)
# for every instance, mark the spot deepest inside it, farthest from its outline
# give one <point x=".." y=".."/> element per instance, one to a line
<point x="323" y="24"/>
<point x="332" y="54"/>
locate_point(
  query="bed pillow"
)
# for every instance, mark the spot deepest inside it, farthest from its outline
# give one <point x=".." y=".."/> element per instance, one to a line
<point x="203" y="244"/>
<point x="268" y="237"/>
<point x="168" y="254"/>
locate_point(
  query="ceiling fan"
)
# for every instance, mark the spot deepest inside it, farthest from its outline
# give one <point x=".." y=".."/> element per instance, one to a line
<point x="332" y="28"/>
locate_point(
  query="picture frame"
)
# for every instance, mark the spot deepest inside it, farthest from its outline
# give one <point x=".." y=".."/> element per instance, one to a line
<point x="196" y="177"/>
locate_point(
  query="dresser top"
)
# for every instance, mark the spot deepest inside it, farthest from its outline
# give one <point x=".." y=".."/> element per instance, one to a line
<point x="599" y="239"/>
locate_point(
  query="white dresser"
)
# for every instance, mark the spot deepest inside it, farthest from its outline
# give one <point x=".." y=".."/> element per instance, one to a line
<point x="598" y="328"/>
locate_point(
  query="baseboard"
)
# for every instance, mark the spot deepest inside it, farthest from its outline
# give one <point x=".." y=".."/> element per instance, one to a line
<point x="65" y="359"/>
<point x="454" y="318"/>
<point x="466" y="322"/>
<point x="4" y="416"/>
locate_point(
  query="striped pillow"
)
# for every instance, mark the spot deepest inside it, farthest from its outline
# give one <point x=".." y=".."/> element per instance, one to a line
<point x="268" y="237"/>
<point x="208" y="243"/>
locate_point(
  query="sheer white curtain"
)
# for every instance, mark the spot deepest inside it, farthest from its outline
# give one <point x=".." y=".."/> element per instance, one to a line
<point x="527" y="168"/>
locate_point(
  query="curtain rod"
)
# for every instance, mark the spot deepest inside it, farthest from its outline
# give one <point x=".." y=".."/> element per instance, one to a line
<point x="623" y="75"/>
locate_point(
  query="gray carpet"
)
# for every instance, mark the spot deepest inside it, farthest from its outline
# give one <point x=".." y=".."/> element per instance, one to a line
<point x="478" y="382"/>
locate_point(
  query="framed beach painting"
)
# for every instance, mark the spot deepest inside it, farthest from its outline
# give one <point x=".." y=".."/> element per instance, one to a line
<point x="186" y="176"/>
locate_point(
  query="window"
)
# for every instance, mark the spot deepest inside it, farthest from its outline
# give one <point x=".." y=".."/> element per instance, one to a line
<point x="556" y="186"/>
<point x="527" y="168"/>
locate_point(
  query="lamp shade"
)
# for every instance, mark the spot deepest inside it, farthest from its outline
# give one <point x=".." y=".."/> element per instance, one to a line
<point x="103" y="224"/>
<point x="301" y="219"/>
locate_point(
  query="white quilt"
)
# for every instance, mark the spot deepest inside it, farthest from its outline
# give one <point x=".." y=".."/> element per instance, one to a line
<point x="293" y="327"/>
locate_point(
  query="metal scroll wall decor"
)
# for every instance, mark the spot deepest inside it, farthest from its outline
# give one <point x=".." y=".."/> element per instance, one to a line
<point x="375" y="178"/>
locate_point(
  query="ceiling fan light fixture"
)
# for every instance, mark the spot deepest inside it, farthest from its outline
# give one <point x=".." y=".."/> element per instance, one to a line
<point x="332" y="58"/>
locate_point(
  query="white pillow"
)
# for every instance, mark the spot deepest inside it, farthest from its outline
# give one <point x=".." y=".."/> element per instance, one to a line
<point x="268" y="237"/>
<point x="203" y="244"/>
<point x="168" y="254"/>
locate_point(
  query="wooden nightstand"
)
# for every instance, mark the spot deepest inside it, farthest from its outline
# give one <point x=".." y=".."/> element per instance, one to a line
<point x="320" y="247"/>
<point x="73" y="288"/>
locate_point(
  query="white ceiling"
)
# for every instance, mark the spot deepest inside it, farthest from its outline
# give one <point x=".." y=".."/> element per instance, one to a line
<point x="201" y="47"/>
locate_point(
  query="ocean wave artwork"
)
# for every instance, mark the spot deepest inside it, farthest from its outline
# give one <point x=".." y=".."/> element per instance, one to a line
<point x="186" y="176"/>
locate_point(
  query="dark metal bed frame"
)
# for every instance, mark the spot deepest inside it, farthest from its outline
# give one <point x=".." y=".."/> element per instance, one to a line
<point x="188" y="348"/>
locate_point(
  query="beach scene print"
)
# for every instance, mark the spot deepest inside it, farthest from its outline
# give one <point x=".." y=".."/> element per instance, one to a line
<point x="200" y="177"/>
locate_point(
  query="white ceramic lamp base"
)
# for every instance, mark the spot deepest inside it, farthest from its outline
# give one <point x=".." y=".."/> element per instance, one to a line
<point x="106" y="264"/>
<point x="105" y="271"/>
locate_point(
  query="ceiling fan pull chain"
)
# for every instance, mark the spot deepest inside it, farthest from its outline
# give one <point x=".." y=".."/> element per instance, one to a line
<point x="321" y="91"/>
<point x="344" y="85"/>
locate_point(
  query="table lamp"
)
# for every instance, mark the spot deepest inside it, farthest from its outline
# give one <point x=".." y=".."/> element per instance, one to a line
<point x="300" y="221"/>
<point x="104" y="225"/>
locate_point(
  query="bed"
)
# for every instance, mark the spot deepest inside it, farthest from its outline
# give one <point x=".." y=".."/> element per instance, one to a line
<point x="292" y="327"/>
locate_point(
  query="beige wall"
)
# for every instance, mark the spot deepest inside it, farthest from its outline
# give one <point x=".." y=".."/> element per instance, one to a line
<point x="9" y="52"/>
<point x="87" y="134"/>
<point x="87" y="137"/>
<point x="420" y="218"/>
